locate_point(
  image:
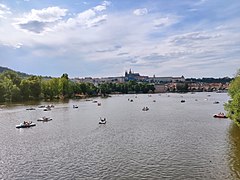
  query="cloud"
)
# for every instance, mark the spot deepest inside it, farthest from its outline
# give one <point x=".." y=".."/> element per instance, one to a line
<point x="115" y="48"/>
<point x="4" y="10"/>
<point x="93" y="17"/>
<point x="34" y="26"/>
<point x="50" y="14"/>
<point x="140" y="12"/>
<point x="123" y="54"/>
<point x="193" y="36"/>
<point x="38" y="21"/>
<point x="165" y="21"/>
<point x="88" y="19"/>
<point x="165" y="42"/>
<point x="103" y="6"/>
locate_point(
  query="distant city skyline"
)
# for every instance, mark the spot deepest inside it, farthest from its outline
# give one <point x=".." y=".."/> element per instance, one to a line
<point x="105" y="38"/>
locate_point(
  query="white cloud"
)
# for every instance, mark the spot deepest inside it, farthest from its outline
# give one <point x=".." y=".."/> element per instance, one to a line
<point x="90" y="18"/>
<point x="49" y="14"/>
<point x="165" y="21"/>
<point x="4" y="10"/>
<point x="38" y="21"/>
<point x="161" y="22"/>
<point x="14" y="46"/>
<point x="193" y="36"/>
<point x="140" y="12"/>
<point x="102" y="7"/>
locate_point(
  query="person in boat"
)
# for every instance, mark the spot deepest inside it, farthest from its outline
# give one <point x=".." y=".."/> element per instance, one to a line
<point x="26" y="123"/>
<point x="102" y="119"/>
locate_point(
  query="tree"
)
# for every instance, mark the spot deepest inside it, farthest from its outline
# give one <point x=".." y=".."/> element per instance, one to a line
<point x="83" y="88"/>
<point x="91" y="89"/>
<point x="35" y="87"/>
<point x="14" y="77"/>
<point x="65" y="75"/>
<point x="2" y="92"/>
<point x="233" y="106"/>
<point x="25" y="89"/>
<point x="64" y="85"/>
<point x="12" y="92"/>
<point x="182" y="87"/>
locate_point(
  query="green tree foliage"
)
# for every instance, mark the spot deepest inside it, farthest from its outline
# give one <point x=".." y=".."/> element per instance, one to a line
<point x="9" y="86"/>
<point x="64" y="85"/>
<point x="59" y="88"/>
<point x="30" y="88"/>
<point x="233" y="105"/>
<point x="182" y="87"/>
<point x="25" y="89"/>
<point x="83" y="87"/>
<point x="13" y="88"/>
<point x="35" y="86"/>
<point x="91" y="89"/>
<point x="51" y="88"/>
<point x="14" y="77"/>
<point x="125" y="88"/>
<point x="2" y="92"/>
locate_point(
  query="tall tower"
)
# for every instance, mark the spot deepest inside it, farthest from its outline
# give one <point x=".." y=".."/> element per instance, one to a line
<point x="130" y="71"/>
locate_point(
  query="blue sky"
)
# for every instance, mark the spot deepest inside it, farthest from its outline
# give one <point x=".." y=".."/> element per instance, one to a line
<point x="194" y="38"/>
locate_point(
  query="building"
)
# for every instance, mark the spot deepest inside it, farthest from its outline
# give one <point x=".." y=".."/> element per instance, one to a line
<point x="160" y="88"/>
<point x="131" y="76"/>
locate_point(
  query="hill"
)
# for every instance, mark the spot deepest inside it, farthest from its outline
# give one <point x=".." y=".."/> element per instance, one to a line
<point x="2" y="69"/>
<point x="21" y="74"/>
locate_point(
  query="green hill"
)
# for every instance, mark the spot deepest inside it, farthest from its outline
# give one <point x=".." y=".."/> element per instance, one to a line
<point x="2" y="69"/>
<point x="21" y="74"/>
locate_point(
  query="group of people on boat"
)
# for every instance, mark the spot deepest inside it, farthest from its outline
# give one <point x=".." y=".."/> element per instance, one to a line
<point x="102" y="121"/>
<point x="27" y="122"/>
<point x="44" y="119"/>
<point x="145" y="108"/>
<point x="220" y="115"/>
<point x="75" y="106"/>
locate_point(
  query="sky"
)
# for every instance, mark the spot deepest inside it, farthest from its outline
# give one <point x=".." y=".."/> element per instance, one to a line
<point x="92" y="38"/>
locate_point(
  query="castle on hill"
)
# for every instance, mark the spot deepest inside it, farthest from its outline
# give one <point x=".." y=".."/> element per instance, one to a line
<point x="131" y="76"/>
<point x="161" y="84"/>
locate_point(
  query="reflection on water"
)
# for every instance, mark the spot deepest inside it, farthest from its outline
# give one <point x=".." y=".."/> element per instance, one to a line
<point x="234" y="150"/>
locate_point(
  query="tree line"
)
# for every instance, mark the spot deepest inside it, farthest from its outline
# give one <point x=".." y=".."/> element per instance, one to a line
<point x="15" y="88"/>
<point x="233" y="105"/>
<point x="209" y="80"/>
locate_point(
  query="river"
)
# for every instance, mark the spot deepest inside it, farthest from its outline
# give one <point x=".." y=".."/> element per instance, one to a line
<point x="172" y="140"/>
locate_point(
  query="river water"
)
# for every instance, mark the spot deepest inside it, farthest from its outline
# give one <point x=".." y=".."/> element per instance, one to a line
<point x="172" y="140"/>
